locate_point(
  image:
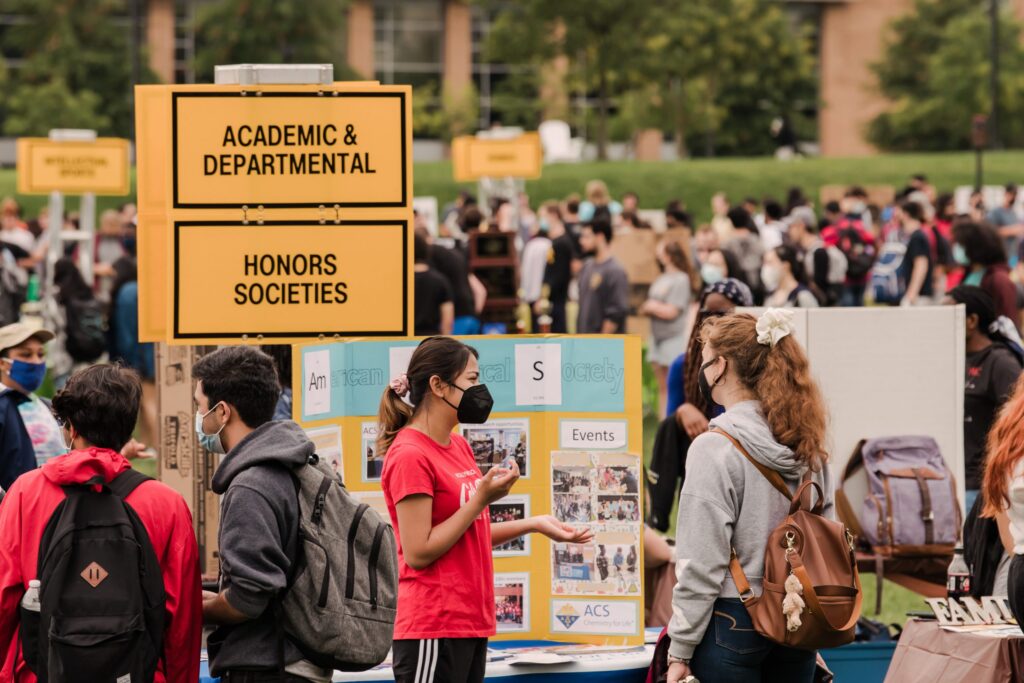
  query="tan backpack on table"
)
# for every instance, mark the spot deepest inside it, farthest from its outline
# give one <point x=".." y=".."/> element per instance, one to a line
<point x="820" y="554"/>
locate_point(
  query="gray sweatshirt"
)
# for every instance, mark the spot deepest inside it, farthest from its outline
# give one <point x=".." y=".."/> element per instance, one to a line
<point x="727" y="503"/>
<point x="258" y="537"/>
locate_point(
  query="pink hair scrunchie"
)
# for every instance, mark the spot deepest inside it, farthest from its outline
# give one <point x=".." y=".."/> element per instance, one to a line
<point x="400" y="385"/>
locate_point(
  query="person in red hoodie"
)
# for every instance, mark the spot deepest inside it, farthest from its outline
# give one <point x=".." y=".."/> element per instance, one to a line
<point x="97" y="411"/>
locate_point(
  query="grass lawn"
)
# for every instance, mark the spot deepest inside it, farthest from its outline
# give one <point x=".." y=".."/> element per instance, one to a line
<point x="694" y="181"/>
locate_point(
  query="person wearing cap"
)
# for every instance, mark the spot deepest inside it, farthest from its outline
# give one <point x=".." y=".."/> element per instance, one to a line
<point x="29" y="434"/>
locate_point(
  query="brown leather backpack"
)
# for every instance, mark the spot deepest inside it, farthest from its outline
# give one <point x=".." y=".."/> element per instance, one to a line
<point x="820" y="553"/>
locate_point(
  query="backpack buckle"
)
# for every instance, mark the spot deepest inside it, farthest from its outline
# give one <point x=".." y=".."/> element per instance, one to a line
<point x="930" y="517"/>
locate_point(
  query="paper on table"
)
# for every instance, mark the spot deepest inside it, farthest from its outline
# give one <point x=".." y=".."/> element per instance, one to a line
<point x="539" y="658"/>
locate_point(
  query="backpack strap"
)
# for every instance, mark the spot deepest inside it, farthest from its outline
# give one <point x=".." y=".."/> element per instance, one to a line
<point x="811" y="597"/>
<point x="776" y="480"/>
<point x="773" y="477"/>
<point x="126" y="482"/>
<point x="843" y="506"/>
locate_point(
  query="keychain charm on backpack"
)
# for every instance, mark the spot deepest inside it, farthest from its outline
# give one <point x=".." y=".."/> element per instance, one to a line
<point x="792" y="605"/>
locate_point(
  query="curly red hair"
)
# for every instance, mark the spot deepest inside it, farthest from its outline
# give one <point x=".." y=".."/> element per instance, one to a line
<point x="1005" y="447"/>
<point x="780" y="378"/>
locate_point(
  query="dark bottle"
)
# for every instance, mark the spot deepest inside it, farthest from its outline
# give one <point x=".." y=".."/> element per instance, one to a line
<point x="958" y="577"/>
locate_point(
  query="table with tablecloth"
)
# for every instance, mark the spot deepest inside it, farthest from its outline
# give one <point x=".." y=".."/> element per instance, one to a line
<point x="929" y="652"/>
<point x="622" y="666"/>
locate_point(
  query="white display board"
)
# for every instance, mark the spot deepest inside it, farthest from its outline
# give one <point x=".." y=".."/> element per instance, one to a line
<point x="888" y="372"/>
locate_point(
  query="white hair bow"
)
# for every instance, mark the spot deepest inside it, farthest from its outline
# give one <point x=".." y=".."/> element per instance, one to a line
<point x="773" y="325"/>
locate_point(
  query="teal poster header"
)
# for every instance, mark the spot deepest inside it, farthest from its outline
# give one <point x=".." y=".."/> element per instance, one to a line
<point x="524" y="374"/>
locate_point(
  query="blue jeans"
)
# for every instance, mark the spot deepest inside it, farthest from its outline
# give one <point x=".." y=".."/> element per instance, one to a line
<point x="853" y="296"/>
<point x="733" y="652"/>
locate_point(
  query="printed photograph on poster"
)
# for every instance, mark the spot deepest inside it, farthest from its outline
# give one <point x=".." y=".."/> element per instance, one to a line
<point x="328" y="444"/>
<point x="616" y="479"/>
<point x="573" y="562"/>
<point x="572" y="479"/>
<point x="608" y="566"/>
<point x="598" y="490"/>
<point x="492" y="442"/>
<point x="618" y="508"/>
<point x="512" y="602"/>
<point x="373" y="462"/>
<point x="573" y="508"/>
<point x="510" y="509"/>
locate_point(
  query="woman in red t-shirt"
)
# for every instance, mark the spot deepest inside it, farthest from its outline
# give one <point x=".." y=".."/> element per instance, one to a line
<point x="438" y="499"/>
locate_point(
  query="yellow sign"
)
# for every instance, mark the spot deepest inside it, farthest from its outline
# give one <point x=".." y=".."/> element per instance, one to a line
<point x="290" y="279"/>
<point x="182" y="131"/>
<point x="99" y="167"/>
<point x="286" y="149"/>
<point x="474" y="158"/>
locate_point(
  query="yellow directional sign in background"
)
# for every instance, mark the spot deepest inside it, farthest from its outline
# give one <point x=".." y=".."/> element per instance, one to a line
<point x="474" y="158"/>
<point x="99" y="167"/>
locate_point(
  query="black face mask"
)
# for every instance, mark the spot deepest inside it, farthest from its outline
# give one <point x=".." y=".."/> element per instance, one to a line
<point x="475" y="406"/>
<point x="705" y="386"/>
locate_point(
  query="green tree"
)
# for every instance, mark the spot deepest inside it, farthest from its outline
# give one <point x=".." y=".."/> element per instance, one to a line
<point x="601" y="38"/>
<point x="34" y="110"/>
<point x="936" y="73"/>
<point x="77" y="69"/>
<point x="270" y="31"/>
<point x="724" y="69"/>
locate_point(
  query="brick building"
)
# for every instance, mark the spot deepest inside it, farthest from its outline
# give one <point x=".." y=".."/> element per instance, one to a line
<point x="439" y="43"/>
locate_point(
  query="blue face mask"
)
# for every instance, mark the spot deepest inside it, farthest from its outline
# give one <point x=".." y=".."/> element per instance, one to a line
<point x="211" y="442"/>
<point x="960" y="256"/>
<point x="28" y="375"/>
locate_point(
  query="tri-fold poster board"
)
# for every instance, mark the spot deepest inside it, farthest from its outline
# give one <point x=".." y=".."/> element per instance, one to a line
<point x="568" y="409"/>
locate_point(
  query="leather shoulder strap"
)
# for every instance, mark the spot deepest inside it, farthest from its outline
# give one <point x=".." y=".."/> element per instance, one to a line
<point x="855" y="462"/>
<point x="773" y="477"/>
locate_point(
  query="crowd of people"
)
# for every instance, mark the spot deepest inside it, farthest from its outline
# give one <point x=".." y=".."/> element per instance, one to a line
<point x="907" y="250"/>
<point x="718" y="371"/>
<point x="92" y="321"/>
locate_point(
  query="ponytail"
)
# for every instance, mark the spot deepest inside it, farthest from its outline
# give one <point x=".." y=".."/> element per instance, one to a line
<point x="780" y="378"/>
<point x="392" y="416"/>
<point x="443" y="357"/>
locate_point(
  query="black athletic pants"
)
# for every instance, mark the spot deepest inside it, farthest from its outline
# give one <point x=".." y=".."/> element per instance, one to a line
<point x="445" y="660"/>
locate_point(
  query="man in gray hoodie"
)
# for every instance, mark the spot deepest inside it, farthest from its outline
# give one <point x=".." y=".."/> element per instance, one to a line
<point x="236" y="392"/>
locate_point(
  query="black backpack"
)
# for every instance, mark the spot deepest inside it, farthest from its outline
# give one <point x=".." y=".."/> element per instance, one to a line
<point x="86" y="329"/>
<point x="102" y="599"/>
<point x="860" y="254"/>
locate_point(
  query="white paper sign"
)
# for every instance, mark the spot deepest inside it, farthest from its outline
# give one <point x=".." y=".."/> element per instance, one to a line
<point x="538" y="374"/>
<point x="316" y="384"/>
<point x="398" y="360"/>
<point x="592" y="435"/>
<point x="595" y="617"/>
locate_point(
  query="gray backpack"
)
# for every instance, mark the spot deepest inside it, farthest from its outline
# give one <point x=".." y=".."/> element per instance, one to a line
<point x="911" y="507"/>
<point x="339" y="608"/>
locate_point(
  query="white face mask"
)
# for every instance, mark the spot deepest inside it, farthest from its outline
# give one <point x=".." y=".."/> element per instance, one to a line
<point x="710" y="274"/>
<point x="771" y="277"/>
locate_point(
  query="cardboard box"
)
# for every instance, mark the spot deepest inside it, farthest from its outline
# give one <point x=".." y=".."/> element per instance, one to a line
<point x="635" y="251"/>
<point x="182" y="464"/>
<point x="879" y="195"/>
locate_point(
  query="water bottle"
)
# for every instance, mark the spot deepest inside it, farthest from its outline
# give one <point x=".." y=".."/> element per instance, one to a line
<point x="958" y="577"/>
<point x="30" y="602"/>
